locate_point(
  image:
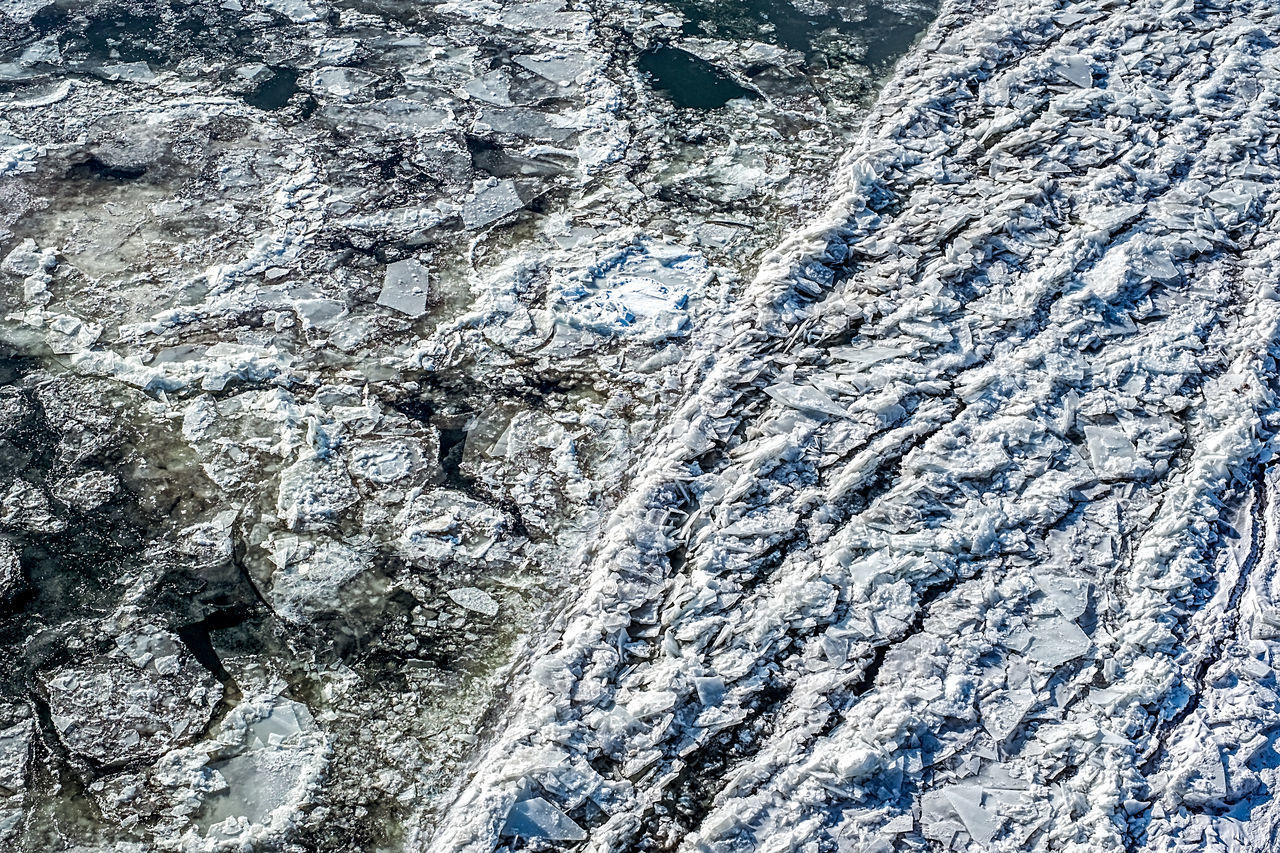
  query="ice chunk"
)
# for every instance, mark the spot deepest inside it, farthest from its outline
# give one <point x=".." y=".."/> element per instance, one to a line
<point x="646" y="703"/>
<point x="1055" y="641"/>
<point x="278" y="753"/>
<point x="492" y="88"/>
<point x="118" y="708"/>
<point x="10" y="569"/>
<point x="474" y="599"/>
<point x="15" y="749"/>
<point x="313" y="491"/>
<point x="28" y="259"/>
<point x="710" y="690"/>
<point x="805" y="397"/>
<point x="864" y="357"/>
<point x="388" y="461"/>
<point x="132" y="72"/>
<point x="282" y="721"/>
<point x="26" y="506"/>
<point x="1069" y="595"/>
<point x="561" y="69"/>
<point x="1075" y="69"/>
<point x="310" y="575"/>
<point x="975" y="812"/>
<point x="404" y="288"/>
<point x="1112" y="453"/>
<point x="490" y="202"/>
<point x="537" y="818"/>
<point x="643" y="292"/>
<point x="87" y="491"/>
<point x="1158" y="265"/>
<point x="298" y="11"/>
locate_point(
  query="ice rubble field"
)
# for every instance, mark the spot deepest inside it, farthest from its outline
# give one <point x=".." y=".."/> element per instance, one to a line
<point x="951" y="529"/>
<point x="328" y="333"/>
<point x="966" y="537"/>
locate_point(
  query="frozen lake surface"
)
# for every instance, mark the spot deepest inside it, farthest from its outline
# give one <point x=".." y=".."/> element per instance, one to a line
<point x="692" y="426"/>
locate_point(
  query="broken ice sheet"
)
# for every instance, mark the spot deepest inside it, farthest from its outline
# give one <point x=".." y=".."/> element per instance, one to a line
<point x="15" y="748"/>
<point x="404" y="288"/>
<point x="537" y="818"/>
<point x="1055" y="641"/>
<point x="312" y="575"/>
<point x="490" y="201"/>
<point x="1112" y="454"/>
<point x="276" y="753"/>
<point x="134" y="704"/>
<point x="641" y="292"/>
<point x="561" y="68"/>
<point x="474" y="599"/>
<point x="806" y="398"/>
<point x="1069" y="595"/>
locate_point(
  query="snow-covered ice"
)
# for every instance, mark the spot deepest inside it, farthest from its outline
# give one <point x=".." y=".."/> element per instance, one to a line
<point x="935" y="554"/>
<point x="451" y="468"/>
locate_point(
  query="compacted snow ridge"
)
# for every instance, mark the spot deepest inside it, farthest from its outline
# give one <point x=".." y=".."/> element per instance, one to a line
<point x="965" y="537"/>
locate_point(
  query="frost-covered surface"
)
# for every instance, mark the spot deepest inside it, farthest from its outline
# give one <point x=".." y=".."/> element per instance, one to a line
<point x="962" y="541"/>
<point x="393" y="457"/>
<point x="329" y="334"/>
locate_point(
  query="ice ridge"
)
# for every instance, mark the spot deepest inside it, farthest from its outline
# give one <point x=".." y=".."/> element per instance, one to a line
<point x="964" y="537"/>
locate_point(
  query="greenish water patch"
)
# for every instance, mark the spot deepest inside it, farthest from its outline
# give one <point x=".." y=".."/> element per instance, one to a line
<point x="275" y="92"/>
<point x="688" y="80"/>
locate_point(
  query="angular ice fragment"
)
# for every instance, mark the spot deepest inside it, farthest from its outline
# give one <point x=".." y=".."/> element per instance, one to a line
<point x="298" y="11"/>
<point x="386" y="462"/>
<point x="561" y="69"/>
<point x="1069" y="595"/>
<point x="805" y="397"/>
<point x="641" y="292"/>
<point x="277" y="755"/>
<point x="310" y="576"/>
<point x="313" y="491"/>
<point x="864" y="357"/>
<point x="1076" y="69"/>
<point x="492" y="88"/>
<point x="1055" y="641"/>
<point x="490" y="202"/>
<point x="710" y="689"/>
<point x="537" y="818"/>
<point x="404" y="288"/>
<point x="970" y="804"/>
<point x="646" y="703"/>
<point x="10" y="569"/>
<point x="1158" y="265"/>
<point x="15" y="749"/>
<point x="28" y="259"/>
<point x="132" y="72"/>
<point x="1111" y="452"/>
<point x="772" y="520"/>
<point x="283" y="720"/>
<point x="474" y="599"/>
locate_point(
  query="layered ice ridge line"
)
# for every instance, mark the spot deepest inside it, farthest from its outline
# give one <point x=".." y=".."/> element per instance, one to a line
<point x="961" y="540"/>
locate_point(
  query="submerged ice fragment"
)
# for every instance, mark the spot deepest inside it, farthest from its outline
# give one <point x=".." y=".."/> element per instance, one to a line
<point x="537" y="818"/>
<point x="404" y="288"/>
<point x="474" y="599"/>
<point x="490" y="202"/>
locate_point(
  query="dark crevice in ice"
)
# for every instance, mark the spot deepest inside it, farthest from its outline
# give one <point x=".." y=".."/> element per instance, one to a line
<point x="1195" y="686"/>
<point x="96" y="168"/>
<point x="689" y="798"/>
